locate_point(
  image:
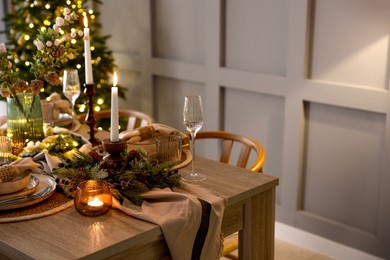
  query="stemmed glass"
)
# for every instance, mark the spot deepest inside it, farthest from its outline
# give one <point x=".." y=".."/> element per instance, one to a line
<point x="71" y="88"/>
<point x="193" y="121"/>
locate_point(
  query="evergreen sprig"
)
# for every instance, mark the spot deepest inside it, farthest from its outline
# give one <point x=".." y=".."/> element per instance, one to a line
<point x="136" y="175"/>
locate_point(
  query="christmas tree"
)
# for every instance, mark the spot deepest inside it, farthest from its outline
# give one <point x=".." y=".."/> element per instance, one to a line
<point x="23" y="25"/>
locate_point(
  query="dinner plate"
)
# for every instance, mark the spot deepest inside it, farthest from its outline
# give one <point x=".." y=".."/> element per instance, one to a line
<point x="44" y="190"/>
<point x="186" y="158"/>
<point x="30" y="188"/>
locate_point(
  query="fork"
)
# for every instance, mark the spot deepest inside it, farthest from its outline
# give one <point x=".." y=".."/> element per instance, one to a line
<point x="38" y="195"/>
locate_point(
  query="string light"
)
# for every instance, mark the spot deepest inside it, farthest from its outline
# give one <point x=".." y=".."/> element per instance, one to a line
<point x="100" y="101"/>
<point x="47" y="6"/>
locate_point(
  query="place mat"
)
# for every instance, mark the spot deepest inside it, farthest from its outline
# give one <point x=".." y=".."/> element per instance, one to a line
<point x="51" y="205"/>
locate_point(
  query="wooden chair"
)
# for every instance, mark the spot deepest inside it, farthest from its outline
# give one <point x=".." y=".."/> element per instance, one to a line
<point x="248" y="145"/>
<point x="133" y="119"/>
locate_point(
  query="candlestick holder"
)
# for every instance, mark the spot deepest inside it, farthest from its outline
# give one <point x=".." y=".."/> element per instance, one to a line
<point x="114" y="150"/>
<point x="90" y="119"/>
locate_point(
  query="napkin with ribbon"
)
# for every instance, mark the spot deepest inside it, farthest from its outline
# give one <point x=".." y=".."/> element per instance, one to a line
<point x="60" y="105"/>
<point x="151" y="131"/>
<point x="10" y="171"/>
<point x="190" y="219"/>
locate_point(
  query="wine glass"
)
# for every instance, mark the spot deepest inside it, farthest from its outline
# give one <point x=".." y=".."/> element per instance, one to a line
<point x="193" y="121"/>
<point x="71" y="88"/>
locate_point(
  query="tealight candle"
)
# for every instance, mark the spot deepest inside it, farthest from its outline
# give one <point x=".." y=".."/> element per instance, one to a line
<point x="92" y="198"/>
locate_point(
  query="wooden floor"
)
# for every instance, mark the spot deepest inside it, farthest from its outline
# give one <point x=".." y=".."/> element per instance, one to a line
<point x="287" y="251"/>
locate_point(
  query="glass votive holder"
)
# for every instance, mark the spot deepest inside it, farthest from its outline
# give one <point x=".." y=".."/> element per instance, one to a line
<point x="47" y="113"/>
<point x="92" y="198"/>
<point x="5" y="149"/>
<point x="168" y="148"/>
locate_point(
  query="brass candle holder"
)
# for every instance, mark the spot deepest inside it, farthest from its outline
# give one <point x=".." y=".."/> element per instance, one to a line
<point x="92" y="198"/>
<point x="90" y="119"/>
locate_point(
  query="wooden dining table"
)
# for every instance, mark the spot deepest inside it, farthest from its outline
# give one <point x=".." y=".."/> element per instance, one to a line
<point x="67" y="234"/>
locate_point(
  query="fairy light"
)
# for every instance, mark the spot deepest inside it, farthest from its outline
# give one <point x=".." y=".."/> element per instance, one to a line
<point x="27" y="37"/>
<point x="47" y="22"/>
<point x="47" y="6"/>
<point x="27" y="63"/>
<point x="73" y="41"/>
<point x="97" y="108"/>
<point x="78" y="66"/>
<point x="31" y="25"/>
<point x="82" y="108"/>
<point x="100" y="101"/>
<point x="43" y="28"/>
<point x="68" y="2"/>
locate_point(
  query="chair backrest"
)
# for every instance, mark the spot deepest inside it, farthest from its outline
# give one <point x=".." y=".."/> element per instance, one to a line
<point x="248" y="145"/>
<point x="135" y="119"/>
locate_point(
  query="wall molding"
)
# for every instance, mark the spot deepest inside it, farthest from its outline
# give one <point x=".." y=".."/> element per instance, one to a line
<point x="319" y="244"/>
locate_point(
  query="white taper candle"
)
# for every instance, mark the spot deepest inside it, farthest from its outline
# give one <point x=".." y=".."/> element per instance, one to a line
<point x="114" y="132"/>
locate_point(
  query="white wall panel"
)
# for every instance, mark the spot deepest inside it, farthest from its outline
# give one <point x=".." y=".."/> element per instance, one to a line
<point x="178" y="30"/>
<point x="256" y="36"/>
<point x="169" y="99"/>
<point x="344" y="149"/>
<point x="352" y="46"/>
<point x="261" y="117"/>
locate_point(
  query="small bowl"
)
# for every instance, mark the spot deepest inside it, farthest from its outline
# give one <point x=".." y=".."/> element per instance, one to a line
<point x="18" y="183"/>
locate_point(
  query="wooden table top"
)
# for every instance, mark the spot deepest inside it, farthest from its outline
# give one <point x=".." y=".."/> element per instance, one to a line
<point x="68" y="234"/>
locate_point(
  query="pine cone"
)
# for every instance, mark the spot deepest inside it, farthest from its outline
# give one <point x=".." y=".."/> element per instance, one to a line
<point x="133" y="155"/>
<point x="57" y="51"/>
<point x="96" y="157"/>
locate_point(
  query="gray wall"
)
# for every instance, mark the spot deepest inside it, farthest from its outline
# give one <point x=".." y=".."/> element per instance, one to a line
<point x="309" y="79"/>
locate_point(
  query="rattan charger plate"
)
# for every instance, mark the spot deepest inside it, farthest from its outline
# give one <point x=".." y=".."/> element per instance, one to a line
<point x="55" y="203"/>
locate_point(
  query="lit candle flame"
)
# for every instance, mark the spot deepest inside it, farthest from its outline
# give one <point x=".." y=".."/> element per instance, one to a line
<point x="85" y="22"/>
<point x="95" y="202"/>
<point x="115" y="79"/>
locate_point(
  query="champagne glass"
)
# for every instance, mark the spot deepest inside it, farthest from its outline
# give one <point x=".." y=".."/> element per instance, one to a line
<point x="71" y="88"/>
<point x="193" y="121"/>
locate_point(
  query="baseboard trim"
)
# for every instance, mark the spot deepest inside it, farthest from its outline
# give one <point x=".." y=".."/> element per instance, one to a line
<point x="318" y="244"/>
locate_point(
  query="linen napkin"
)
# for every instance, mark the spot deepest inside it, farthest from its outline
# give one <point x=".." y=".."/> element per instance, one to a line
<point x="150" y="131"/>
<point x="10" y="171"/>
<point x="60" y="105"/>
<point x="190" y="219"/>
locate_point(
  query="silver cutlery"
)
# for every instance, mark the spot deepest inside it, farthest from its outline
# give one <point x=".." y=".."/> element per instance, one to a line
<point x="35" y="196"/>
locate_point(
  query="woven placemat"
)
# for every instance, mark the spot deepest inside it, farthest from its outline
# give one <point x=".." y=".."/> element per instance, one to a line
<point x="51" y="205"/>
